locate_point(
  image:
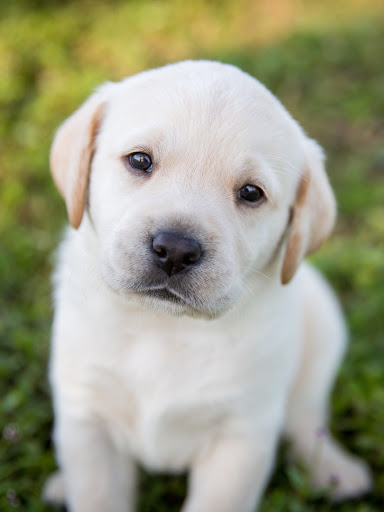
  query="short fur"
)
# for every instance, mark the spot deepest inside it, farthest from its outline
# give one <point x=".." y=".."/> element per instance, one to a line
<point x="248" y="347"/>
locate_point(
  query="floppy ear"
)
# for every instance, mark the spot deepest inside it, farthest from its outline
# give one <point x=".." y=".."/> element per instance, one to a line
<point x="313" y="215"/>
<point x="71" y="154"/>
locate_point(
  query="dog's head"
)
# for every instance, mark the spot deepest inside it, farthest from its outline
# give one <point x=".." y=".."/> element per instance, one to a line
<point x="192" y="177"/>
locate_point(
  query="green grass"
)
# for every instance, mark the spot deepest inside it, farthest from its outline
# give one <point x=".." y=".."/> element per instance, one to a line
<point x="330" y="77"/>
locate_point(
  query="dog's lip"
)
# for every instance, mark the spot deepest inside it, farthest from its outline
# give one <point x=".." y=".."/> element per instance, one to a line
<point x="163" y="293"/>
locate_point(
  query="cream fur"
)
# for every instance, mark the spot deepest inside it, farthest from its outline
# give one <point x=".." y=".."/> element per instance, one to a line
<point x="209" y="383"/>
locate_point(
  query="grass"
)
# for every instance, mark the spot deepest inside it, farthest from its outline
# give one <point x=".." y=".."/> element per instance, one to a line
<point x="327" y="70"/>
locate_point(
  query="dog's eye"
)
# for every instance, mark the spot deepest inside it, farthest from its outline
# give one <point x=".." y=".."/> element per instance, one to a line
<point x="251" y="193"/>
<point x="140" y="161"/>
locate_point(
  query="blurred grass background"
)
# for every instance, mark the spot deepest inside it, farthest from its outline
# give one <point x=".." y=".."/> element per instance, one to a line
<point x="324" y="59"/>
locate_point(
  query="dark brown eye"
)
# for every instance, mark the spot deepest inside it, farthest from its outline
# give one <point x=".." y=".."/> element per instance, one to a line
<point x="140" y="161"/>
<point x="250" y="193"/>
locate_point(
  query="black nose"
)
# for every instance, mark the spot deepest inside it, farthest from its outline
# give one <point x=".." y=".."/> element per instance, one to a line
<point x="174" y="253"/>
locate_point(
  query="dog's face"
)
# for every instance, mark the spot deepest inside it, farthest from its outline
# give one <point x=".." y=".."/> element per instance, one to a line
<point x="197" y="174"/>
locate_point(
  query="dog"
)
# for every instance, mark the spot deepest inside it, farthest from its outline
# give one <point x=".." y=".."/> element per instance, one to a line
<point x="188" y="335"/>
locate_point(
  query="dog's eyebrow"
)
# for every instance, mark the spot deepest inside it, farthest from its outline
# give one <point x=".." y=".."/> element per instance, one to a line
<point x="253" y="167"/>
<point x="148" y="140"/>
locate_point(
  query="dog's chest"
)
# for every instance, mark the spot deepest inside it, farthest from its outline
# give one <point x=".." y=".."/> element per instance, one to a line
<point x="164" y="401"/>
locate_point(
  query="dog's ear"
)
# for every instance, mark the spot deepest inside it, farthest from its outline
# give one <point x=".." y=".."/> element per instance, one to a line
<point x="313" y="213"/>
<point x="72" y="151"/>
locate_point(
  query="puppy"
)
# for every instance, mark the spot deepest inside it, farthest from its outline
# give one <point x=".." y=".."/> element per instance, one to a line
<point x="187" y="336"/>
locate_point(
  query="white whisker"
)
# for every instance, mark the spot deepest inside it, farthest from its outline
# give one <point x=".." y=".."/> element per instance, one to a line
<point x="257" y="272"/>
<point x="282" y="159"/>
<point x="282" y="169"/>
<point x="285" y="172"/>
<point x="245" y="284"/>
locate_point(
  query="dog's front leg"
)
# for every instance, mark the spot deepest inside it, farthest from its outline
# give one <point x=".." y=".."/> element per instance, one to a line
<point x="96" y="477"/>
<point x="231" y="476"/>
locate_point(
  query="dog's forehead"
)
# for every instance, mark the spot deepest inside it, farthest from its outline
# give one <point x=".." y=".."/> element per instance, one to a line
<point x="210" y="104"/>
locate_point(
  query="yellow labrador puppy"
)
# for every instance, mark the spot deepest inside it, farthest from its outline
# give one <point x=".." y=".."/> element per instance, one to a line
<point x="186" y="334"/>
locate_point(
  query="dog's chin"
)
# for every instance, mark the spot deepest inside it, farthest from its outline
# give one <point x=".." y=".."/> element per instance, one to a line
<point x="164" y="301"/>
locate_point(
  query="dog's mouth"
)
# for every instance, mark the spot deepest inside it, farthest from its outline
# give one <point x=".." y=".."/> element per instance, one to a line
<point x="187" y="302"/>
<point x="164" y="294"/>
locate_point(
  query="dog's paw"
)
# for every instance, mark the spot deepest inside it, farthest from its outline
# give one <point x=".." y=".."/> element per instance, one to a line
<point x="53" y="491"/>
<point x="344" y="476"/>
